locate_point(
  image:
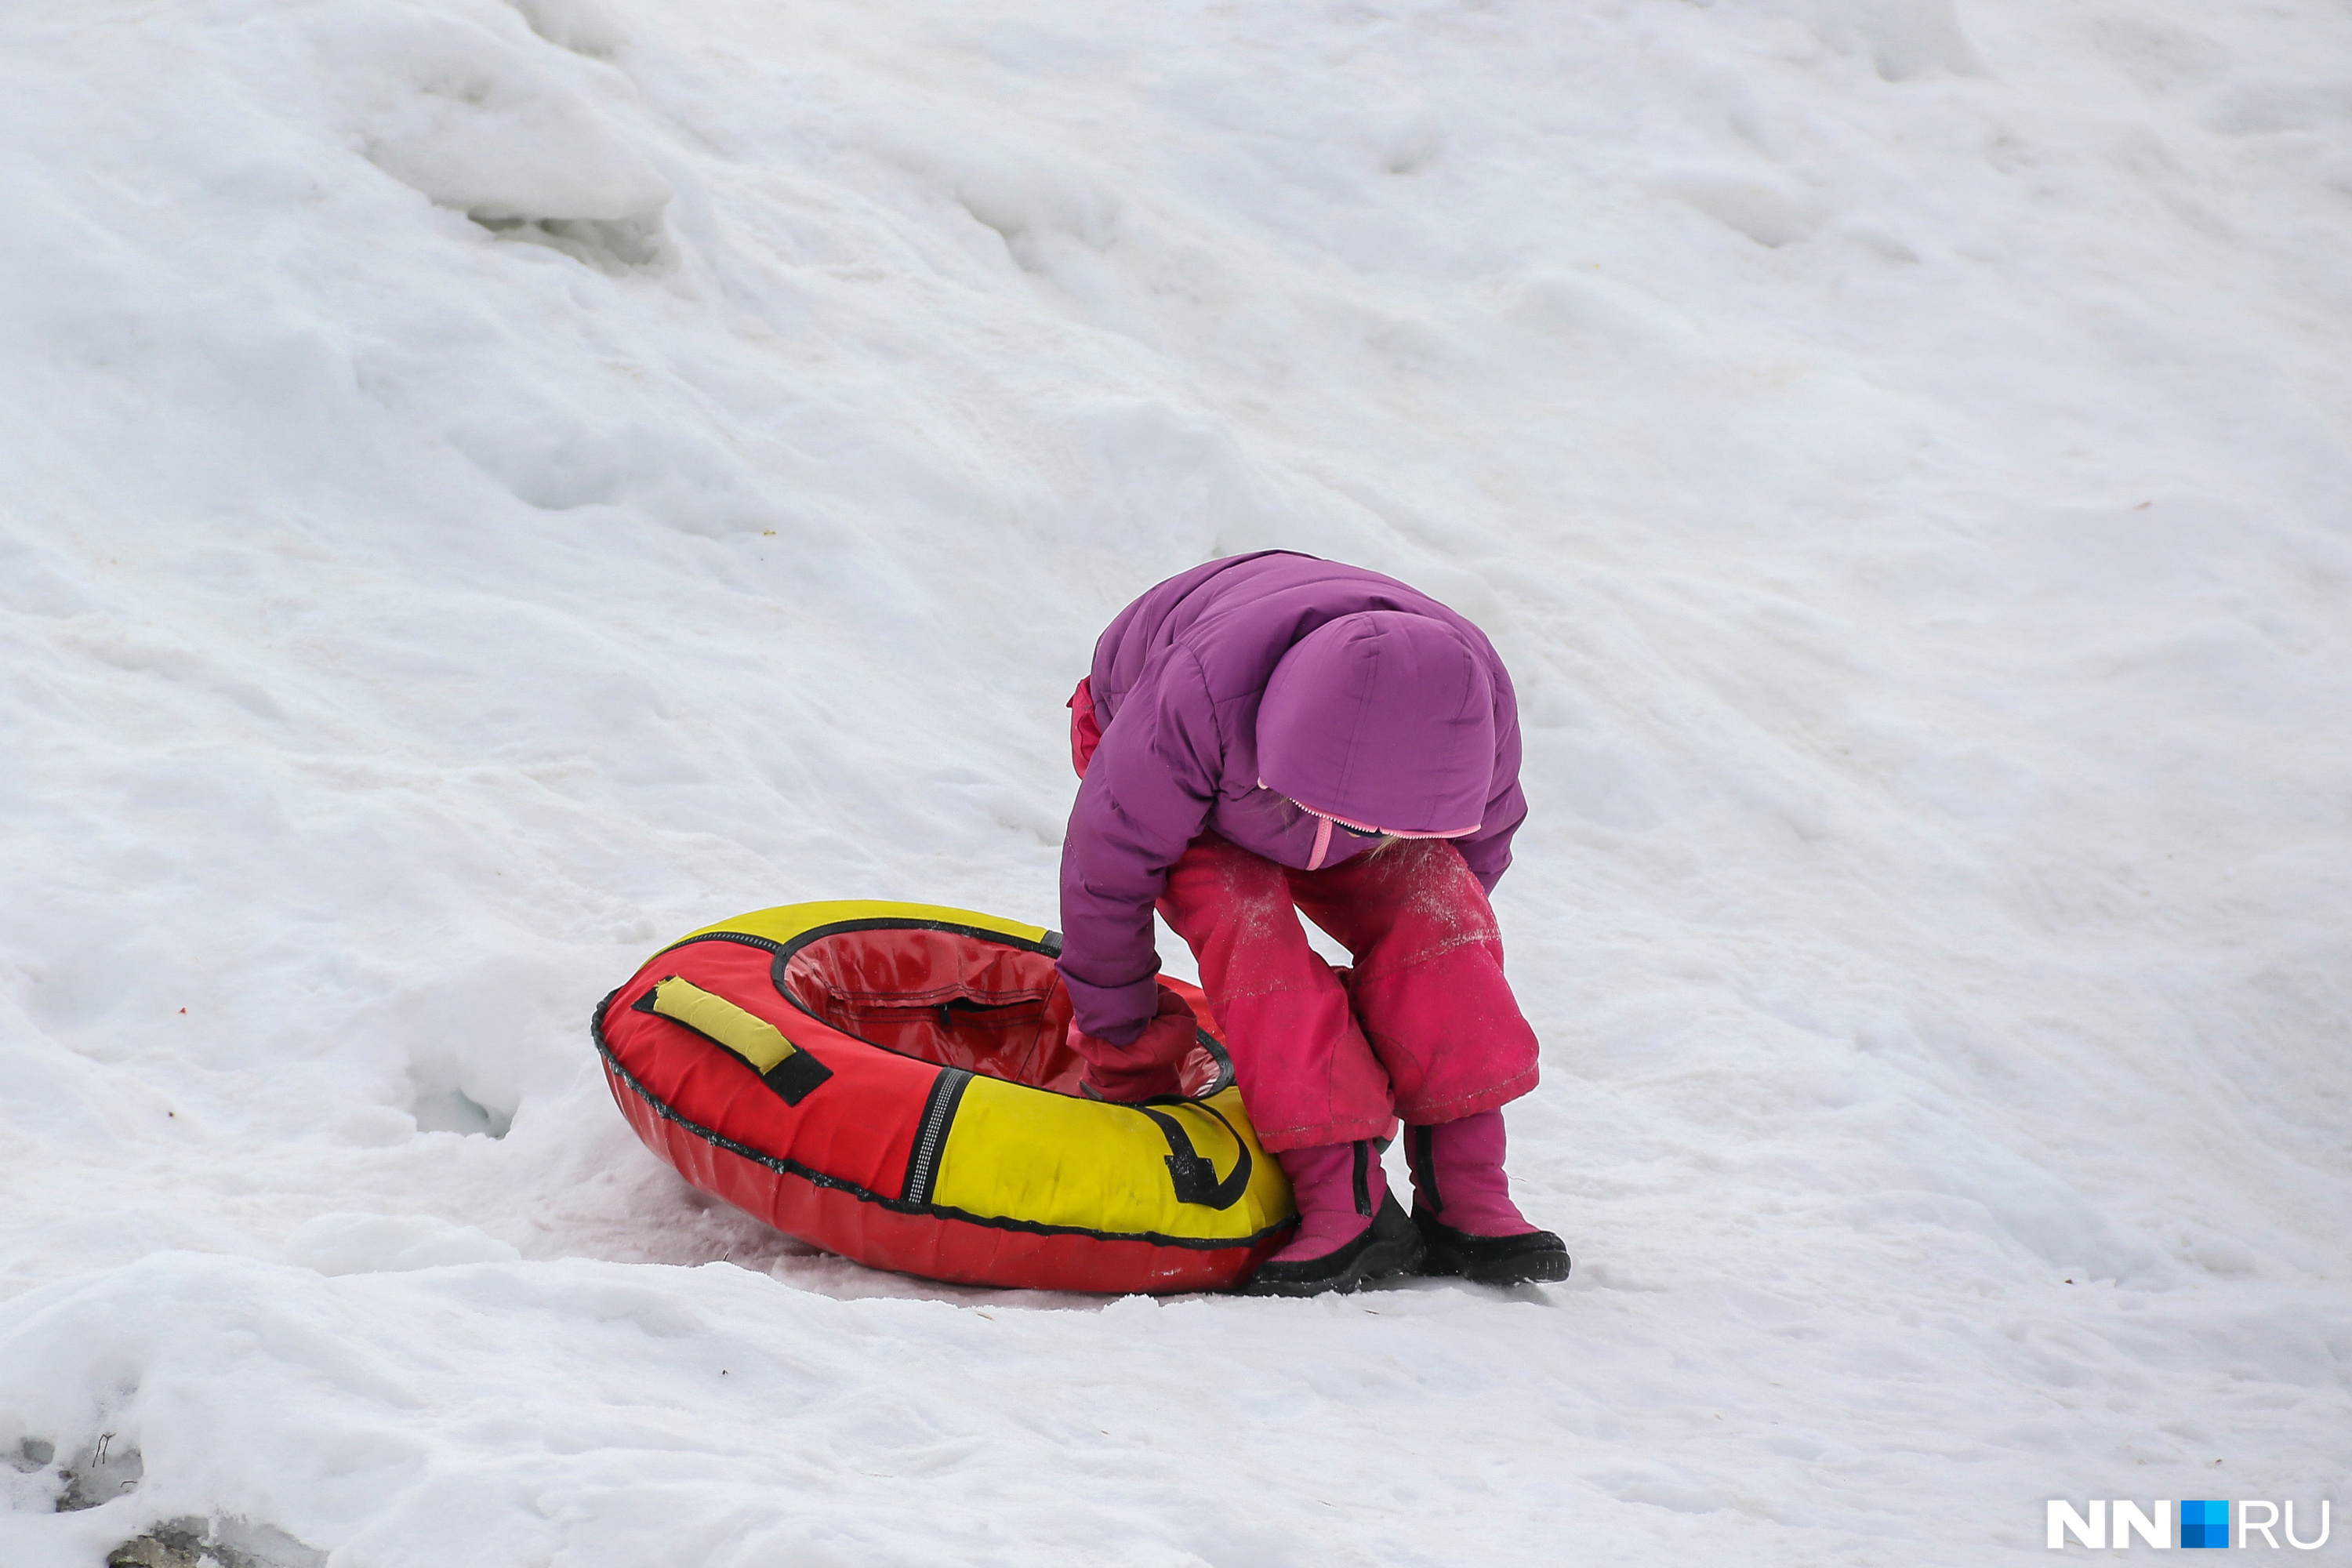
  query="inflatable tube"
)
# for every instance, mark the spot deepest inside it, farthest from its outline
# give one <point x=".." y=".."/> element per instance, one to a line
<point x="893" y="1082"/>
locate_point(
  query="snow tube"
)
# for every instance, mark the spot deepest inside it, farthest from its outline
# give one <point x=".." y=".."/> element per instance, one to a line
<point x="893" y="1082"/>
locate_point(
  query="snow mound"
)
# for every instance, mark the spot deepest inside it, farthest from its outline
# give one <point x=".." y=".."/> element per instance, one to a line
<point x="493" y="487"/>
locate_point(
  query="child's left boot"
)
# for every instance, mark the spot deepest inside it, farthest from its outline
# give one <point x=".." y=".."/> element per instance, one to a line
<point x="1462" y="1206"/>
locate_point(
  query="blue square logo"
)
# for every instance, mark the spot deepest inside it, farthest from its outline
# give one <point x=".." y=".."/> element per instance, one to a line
<point x="2204" y="1524"/>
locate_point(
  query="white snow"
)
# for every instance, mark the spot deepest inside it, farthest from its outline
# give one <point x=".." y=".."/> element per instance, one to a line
<point x="490" y="487"/>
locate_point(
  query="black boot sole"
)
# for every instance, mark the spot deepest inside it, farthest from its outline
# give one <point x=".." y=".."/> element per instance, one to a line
<point x="1390" y="1247"/>
<point x="1538" y="1257"/>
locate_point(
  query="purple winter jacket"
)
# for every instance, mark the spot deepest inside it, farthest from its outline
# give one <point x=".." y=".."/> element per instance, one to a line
<point x="1230" y="693"/>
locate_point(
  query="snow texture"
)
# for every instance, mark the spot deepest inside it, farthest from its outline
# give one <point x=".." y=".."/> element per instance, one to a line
<point x="492" y="487"/>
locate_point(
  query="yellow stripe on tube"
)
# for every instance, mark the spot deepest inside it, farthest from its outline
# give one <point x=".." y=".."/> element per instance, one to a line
<point x="787" y="922"/>
<point x="1021" y="1153"/>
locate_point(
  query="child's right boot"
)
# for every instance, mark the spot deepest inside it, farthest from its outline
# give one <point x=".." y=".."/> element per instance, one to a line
<point x="1350" y="1227"/>
<point x="1462" y="1206"/>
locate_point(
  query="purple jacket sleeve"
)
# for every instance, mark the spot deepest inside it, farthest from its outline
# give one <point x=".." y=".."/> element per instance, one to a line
<point x="1488" y="851"/>
<point x="1147" y="794"/>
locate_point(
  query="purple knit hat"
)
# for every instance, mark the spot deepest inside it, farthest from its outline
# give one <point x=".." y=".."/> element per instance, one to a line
<point x="1383" y="719"/>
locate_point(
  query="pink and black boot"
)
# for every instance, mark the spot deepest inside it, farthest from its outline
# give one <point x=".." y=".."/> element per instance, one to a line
<point x="1351" y="1229"/>
<point x="1462" y="1206"/>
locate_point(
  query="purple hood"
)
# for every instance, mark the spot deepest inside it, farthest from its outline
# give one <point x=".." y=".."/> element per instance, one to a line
<point x="1382" y="719"/>
<point x="1337" y="687"/>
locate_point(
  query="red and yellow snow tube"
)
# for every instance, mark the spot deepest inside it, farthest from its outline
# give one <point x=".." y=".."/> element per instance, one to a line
<point x="892" y="1082"/>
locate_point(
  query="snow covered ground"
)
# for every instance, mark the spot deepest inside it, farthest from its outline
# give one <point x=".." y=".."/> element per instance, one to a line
<point x="489" y="487"/>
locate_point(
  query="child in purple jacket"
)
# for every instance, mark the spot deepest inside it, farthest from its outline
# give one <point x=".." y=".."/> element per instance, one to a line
<point x="1273" y="733"/>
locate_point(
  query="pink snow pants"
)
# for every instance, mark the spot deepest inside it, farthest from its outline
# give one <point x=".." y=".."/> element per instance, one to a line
<point x="1423" y="1026"/>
